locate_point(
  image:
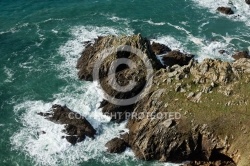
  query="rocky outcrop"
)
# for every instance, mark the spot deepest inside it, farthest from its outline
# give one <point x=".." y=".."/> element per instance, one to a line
<point x="212" y="71"/>
<point x="225" y="10"/>
<point x="241" y="54"/>
<point x="116" y="145"/>
<point x="76" y="126"/>
<point x="241" y="67"/>
<point x="176" y="57"/>
<point x="159" y="49"/>
<point x="194" y="111"/>
<point x="91" y="55"/>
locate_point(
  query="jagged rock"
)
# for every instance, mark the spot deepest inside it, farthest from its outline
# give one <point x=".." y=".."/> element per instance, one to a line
<point x="211" y="70"/>
<point x="159" y="49"/>
<point x="76" y="126"/>
<point x="91" y="55"/>
<point x="123" y="74"/>
<point x="241" y="66"/>
<point x="167" y="141"/>
<point x="116" y="145"/>
<point x="242" y="54"/>
<point x="176" y="57"/>
<point x="225" y="10"/>
<point x="175" y="140"/>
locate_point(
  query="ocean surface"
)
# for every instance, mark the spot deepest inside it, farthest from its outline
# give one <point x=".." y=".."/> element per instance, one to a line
<point x="40" y="42"/>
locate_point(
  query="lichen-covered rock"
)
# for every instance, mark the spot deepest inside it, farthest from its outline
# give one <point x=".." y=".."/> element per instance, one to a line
<point x="171" y="140"/>
<point x="211" y="70"/>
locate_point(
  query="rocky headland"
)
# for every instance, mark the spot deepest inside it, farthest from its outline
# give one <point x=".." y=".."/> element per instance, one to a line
<point x="210" y="97"/>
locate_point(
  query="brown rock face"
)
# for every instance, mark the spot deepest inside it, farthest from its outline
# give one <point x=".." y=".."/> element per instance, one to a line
<point x="225" y="10"/>
<point x="176" y="57"/>
<point x="241" y="54"/>
<point x="116" y="145"/>
<point x="159" y="48"/>
<point x="204" y="133"/>
<point x="77" y="127"/>
<point x="171" y="140"/>
<point x="91" y="55"/>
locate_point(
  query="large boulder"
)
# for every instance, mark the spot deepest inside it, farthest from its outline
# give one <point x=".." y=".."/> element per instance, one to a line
<point x="159" y="49"/>
<point x="241" y="54"/>
<point x="225" y="10"/>
<point x="76" y="126"/>
<point x="176" y="57"/>
<point x="116" y="145"/>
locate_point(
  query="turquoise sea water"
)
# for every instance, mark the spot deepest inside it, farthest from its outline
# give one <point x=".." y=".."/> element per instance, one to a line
<point x="40" y="42"/>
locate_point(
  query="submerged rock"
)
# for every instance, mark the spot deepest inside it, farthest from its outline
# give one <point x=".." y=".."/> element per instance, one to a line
<point x="225" y="10"/>
<point x="76" y="126"/>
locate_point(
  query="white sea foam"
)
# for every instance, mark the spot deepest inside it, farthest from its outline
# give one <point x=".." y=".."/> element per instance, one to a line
<point x="201" y="47"/>
<point x="211" y="50"/>
<point x="117" y="19"/>
<point x="155" y="23"/>
<point x="54" y="31"/>
<point x="241" y="9"/>
<point x="72" y="49"/>
<point x="42" y="140"/>
<point x="50" y="148"/>
<point x="9" y="73"/>
<point x="171" y="42"/>
<point x="84" y="98"/>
